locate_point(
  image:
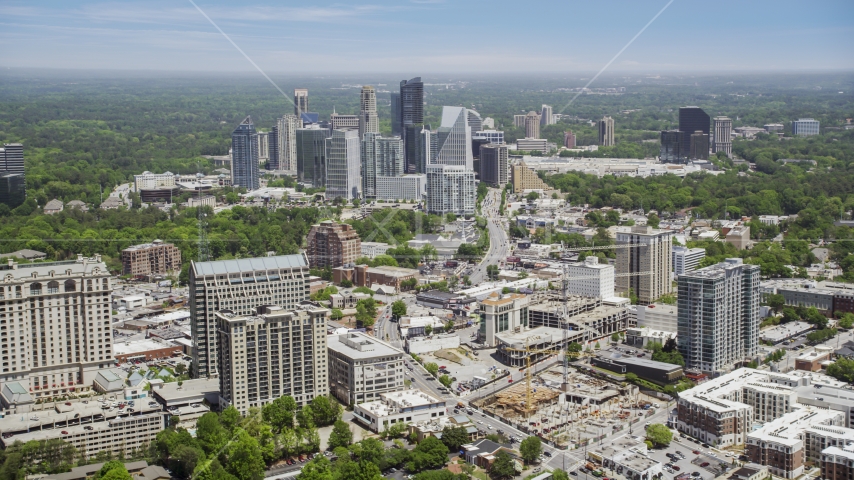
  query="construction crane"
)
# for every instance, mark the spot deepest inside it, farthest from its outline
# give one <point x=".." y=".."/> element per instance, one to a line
<point x="528" y="372"/>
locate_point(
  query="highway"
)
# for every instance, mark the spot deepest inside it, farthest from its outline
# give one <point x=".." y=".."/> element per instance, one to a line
<point x="499" y="247"/>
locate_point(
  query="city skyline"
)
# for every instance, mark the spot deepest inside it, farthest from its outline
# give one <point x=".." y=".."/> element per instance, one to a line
<point x="177" y="37"/>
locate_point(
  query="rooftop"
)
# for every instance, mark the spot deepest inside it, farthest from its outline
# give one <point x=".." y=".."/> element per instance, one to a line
<point x="392" y="402"/>
<point x="393" y="271"/>
<point x="46" y="419"/>
<point x="75" y="268"/>
<point x="789" y="428"/>
<point x="532" y="336"/>
<point x="357" y="345"/>
<point x="171" y="392"/>
<point x="140" y="346"/>
<point x="223" y="267"/>
<point x="145" y="246"/>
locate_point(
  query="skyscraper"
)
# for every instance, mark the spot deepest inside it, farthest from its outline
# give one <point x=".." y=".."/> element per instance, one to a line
<point x="547" y="117"/>
<point x="311" y="155"/>
<point x="413" y="148"/>
<point x="454" y="138"/>
<point x="568" y="139"/>
<point x="718" y="315"/>
<point x="670" y="147"/>
<point x="494" y="165"/>
<point x="723" y="136"/>
<point x="699" y="146"/>
<point x="13" y="189"/>
<point x="270" y="353"/>
<point x="396" y="126"/>
<point x="606" y="132"/>
<point x="300" y="101"/>
<point x="240" y="286"/>
<point x="381" y="157"/>
<point x="691" y="120"/>
<point x="368" y="122"/>
<point x="451" y="189"/>
<point x="244" y="156"/>
<point x="343" y="165"/>
<point x="339" y="121"/>
<point x="644" y="263"/>
<point x="286" y="143"/>
<point x="273" y="148"/>
<point x="263" y="140"/>
<point x="475" y="122"/>
<point x="411" y="102"/>
<point x="532" y="125"/>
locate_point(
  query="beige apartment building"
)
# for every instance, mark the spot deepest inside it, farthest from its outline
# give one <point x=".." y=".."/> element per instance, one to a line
<point x="272" y="353"/>
<point x="525" y="178"/>
<point x="155" y="258"/>
<point x="644" y="263"/>
<point x="56" y="332"/>
<point x="332" y="245"/>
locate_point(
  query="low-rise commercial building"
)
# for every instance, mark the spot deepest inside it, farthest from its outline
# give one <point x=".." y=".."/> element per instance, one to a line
<point x="433" y="343"/>
<point x="373" y="249"/>
<point x="144" y="350"/>
<point x="811" y="361"/>
<point x="645" y="337"/>
<point x="362" y="367"/>
<point x="190" y="392"/>
<point x="658" y="316"/>
<point x="657" y="372"/>
<point x="402" y="406"/>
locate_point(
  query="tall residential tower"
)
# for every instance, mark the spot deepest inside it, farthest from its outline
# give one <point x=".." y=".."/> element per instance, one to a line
<point x="244" y="156"/>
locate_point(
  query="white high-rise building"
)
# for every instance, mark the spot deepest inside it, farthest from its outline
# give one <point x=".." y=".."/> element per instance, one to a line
<point x="57" y="331"/>
<point x="475" y="122"/>
<point x="368" y="122"/>
<point x="686" y="259"/>
<point x="272" y="353"/>
<point x="454" y="139"/>
<point x="547" y="117"/>
<point x="287" y="142"/>
<point x="643" y="264"/>
<point x="263" y="146"/>
<point x="240" y="286"/>
<point x="151" y="181"/>
<point x="590" y="278"/>
<point x="723" y="136"/>
<point x="404" y="187"/>
<point x="344" y="122"/>
<point x="343" y="165"/>
<point x="718" y="315"/>
<point x="381" y="157"/>
<point x="451" y="189"/>
<point x="491" y="136"/>
<point x="805" y="127"/>
<point x="361" y="368"/>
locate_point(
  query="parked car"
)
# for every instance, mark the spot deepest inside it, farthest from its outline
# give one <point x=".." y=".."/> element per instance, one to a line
<point x="704" y="464"/>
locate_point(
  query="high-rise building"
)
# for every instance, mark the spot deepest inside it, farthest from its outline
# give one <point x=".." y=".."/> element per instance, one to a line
<point x="396" y="126"/>
<point x="286" y="144"/>
<point x="532" y="125"/>
<point x="300" y="101"/>
<point x="670" y="147"/>
<point x="273" y="148"/>
<point x="339" y="121"/>
<point x="13" y="189"/>
<point x="411" y="102"/>
<point x="475" y="122"/>
<point x="643" y="263"/>
<point x="404" y="187"/>
<point x="263" y="146"/>
<point x="699" y="146"/>
<point x="491" y="136"/>
<point x="590" y="278"/>
<point x="272" y="353"/>
<point x="57" y="327"/>
<point x="494" y="164"/>
<point x="519" y="121"/>
<point x="723" y="136"/>
<point x="805" y="127"/>
<point x="331" y="244"/>
<point x="718" y="315"/>
<point x="692" y="120"/>
<point x="362" y="367"/>
<point x="454" y="139"/>
<point x="525" y="178"/>
<point x="686" y="259"/>
<point x="568" y="139"/>
<point x="381" y="156"/>
<point x="606" y="132"/>
<point x="413" y="143"/>
<point x="547" y="117"/>
<point x="343" y="165"/>
<point x="451" y="189"/>
<point x="244" y="156"/>
<point x="155" y="258"/>
<point x="311" y="155"/>
<point x="368" y="122"/>
<point x="240" y="286"/>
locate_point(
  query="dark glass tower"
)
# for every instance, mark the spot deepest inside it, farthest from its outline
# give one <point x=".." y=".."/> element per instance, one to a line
<point x="396" y="127"/>
<point x="244" y="156"/>
<point x="13" y="189"/>
<point x="311" y="155"/>
<point x="691" y="121"/>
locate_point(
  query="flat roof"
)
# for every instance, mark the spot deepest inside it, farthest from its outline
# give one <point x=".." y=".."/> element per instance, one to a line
<point x="224" y="267"/>
<point x="370" y="347"/>
<point x="789" y="428"/>
<point x="170" y="392"/>
<point x="534" y="335"/>
<point x="642" y="362"/>
<point x="392" y="402"/>
<point x="21" y="422"/>
<point x="139" y="346"/>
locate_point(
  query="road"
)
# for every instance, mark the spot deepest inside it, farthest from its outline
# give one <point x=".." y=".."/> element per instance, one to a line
<point x="499" y="247"/>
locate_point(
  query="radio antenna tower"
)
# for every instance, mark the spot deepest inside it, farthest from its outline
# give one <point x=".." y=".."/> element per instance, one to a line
<point x="203" y="250"/>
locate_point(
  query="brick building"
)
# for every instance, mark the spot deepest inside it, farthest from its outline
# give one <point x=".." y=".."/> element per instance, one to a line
<point x="332" y="244"/>
<point x="151" y="259"/>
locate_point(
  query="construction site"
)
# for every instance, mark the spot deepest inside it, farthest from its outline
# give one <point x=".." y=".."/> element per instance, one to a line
<point x="570" y="414"/>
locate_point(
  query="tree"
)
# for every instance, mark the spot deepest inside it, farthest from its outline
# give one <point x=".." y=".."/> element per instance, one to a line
<point x="318" y="468"/>
<point x="842" y="369"/>
<point x="429" y="253"/>
<point x="492" y="272"/>
<point x="776" y="301"/>
<point x="847" y="321"/>
<point x="398" y="308"/>
<point x="326" y="410"/>
<point x="558" y="474"/>
<point x="503" y="466"/>
<point x="346" y="283"/>
<point x="243" y="457"/>
<point x="446" y="381"/>
<point x="372" y="450"/>
<point x="531" y="448"/>
<point x="652" y="220"/>
<point x="430" y="453"/>
<point x="230" y="418"/>
<point x="341" y="435"/>
<point x="532" y="197"/>
<point x="280" y="413"/>
<point x="574" y="347"/>
<point x="454" y="437"/>
<point x="615" y="337"/>
<point x="431" y="368"/>
<point x="336" y="314"/>
<point x="210" y="433"/>
<point x="659" y="435"/>
<point x="396" y="430"/>
<point x="428" y="330"/>
<point x="358" y="471"/>
<point x="790" y="315"/>
<point x="180" y="369"/>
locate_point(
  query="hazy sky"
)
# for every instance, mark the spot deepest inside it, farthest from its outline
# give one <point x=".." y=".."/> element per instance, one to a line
<point x="425" y="36"/>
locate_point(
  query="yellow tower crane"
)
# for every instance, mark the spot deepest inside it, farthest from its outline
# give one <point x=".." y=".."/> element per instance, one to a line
<point x="528" y="372"/>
